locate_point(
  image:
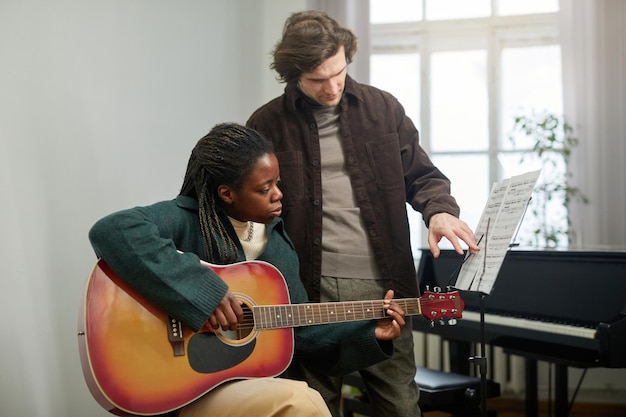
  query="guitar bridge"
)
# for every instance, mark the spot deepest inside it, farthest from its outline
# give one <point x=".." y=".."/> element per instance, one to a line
<point x="175" y="336"/>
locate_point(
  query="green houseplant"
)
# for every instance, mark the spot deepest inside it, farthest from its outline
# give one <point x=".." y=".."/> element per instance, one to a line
<point x="547" y="139"/>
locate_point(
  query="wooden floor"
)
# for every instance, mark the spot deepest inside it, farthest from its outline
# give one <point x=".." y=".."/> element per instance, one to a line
<point x="515" y="408"/>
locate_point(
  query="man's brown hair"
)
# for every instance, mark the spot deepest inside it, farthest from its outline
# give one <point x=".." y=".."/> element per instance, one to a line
<point x="310" y="38"/>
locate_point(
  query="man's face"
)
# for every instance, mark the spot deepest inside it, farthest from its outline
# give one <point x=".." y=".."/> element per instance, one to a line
<point x="325" y="84"/>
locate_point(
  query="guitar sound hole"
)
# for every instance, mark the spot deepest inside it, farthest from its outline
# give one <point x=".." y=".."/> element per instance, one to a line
<point x="244" y="332"/>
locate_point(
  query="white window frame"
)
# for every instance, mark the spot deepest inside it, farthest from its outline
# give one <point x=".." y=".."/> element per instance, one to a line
<point x="492" y="34"/>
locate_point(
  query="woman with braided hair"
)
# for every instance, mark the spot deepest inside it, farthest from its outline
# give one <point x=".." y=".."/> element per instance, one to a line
<point x="229" y="211"/>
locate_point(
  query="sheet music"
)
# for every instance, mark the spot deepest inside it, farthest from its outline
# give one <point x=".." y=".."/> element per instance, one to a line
<point x="499" y="221"/>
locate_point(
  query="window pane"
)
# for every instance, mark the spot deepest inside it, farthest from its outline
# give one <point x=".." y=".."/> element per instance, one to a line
<point x="511" y="164"/>
<point x="471" y="191"/>
<point x="457" y="9"/>
<point x="390" y="11"/>
<point x="399" y="74"/>
<point x="531" y="82"/>
<point x="416" y="225"/>
<point x="544" y="213"/>
<point x="459" y="101"/>
<point x="511" y="7"/>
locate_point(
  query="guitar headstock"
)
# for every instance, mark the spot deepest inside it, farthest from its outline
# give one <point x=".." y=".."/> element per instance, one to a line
<point x="442" y="305"/>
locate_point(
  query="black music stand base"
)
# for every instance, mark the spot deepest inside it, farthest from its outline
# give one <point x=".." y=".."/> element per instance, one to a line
<point x="481" y="361"/>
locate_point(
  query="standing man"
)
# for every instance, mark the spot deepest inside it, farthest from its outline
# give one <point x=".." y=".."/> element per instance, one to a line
<point x="350" y="159"/>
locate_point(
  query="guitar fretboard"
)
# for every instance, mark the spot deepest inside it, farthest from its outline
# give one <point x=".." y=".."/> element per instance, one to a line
<point x="296" y="315"/>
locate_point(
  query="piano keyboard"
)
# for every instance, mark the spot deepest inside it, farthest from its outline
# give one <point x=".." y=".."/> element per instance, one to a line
<point x="535" y="325"/>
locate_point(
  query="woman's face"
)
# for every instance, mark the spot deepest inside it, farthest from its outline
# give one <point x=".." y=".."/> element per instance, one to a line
<point x="259" y="198"/>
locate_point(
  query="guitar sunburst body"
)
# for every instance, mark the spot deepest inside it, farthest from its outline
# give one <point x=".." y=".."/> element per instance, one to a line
<point x="131" y="367"/>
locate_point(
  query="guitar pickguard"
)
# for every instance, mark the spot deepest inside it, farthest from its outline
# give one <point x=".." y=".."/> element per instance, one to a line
<point x="208" y="354"/>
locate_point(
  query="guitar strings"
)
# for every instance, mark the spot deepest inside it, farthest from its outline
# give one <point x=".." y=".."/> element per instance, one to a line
<point x="328" y="314"/>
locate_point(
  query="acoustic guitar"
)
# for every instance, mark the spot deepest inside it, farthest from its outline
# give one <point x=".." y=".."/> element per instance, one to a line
<point x="138" y="361"/>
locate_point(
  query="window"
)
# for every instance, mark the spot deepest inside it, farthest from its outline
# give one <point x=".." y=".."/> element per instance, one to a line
<point x="463" y="69"/>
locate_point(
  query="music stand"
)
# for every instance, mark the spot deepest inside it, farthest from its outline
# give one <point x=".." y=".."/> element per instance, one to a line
<point x="497" y="227"/>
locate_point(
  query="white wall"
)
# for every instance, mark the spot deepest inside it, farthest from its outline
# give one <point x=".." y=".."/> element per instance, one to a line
<point x="101" y="102"/>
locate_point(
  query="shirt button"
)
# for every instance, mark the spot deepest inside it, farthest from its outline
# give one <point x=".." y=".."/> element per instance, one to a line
<point x="312" y="126"/>
<point x="316" y="202"/>
<point x="315" y="162"/>
<point x="316" y="242"/>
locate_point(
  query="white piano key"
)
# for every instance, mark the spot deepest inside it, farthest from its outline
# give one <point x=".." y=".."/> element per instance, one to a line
<point x="536" y="325"/>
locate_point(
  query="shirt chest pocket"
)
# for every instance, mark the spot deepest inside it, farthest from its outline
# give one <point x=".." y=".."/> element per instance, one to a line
<point x="384" y="159"/>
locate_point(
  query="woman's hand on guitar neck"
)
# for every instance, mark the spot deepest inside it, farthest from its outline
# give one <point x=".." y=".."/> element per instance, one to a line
<point x="390" y="327"/>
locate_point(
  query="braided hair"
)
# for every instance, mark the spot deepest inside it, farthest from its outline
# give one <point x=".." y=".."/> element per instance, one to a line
<point x="225" y="156"/>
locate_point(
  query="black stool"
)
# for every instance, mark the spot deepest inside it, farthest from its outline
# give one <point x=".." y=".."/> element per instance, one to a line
<point x="452" y="393"/>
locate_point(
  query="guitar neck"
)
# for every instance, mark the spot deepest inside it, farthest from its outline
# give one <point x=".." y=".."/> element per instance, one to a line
<point x="297" y="315"/>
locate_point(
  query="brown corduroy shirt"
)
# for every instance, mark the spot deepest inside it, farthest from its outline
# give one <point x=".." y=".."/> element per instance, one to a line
<point x="387" y="168"/>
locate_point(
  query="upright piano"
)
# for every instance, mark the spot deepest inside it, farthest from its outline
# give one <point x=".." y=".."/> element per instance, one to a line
<point x="566" y="307"/>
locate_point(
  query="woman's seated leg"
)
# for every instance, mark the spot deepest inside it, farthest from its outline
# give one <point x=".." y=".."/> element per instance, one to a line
<point x="260" y="397"/>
